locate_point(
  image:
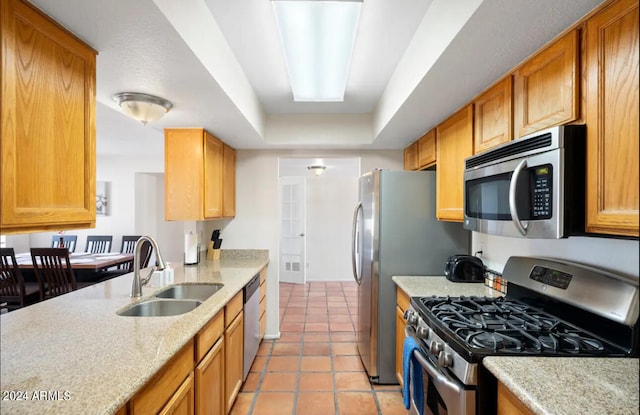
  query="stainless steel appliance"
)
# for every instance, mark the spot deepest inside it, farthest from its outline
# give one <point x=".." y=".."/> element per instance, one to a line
<point x="395" y="232"/>
<point x="532" y="187"/>
<point x="251" y="296"/>
<point x="546" y="312"/>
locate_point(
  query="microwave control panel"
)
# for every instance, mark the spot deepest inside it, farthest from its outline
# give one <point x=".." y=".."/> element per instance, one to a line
<point x="541" y="188"/>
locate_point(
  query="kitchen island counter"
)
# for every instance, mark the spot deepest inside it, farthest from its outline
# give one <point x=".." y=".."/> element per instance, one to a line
<point x="426" y="286"/>
<point x="89" y="360"/>
<point x="570" y="385"/>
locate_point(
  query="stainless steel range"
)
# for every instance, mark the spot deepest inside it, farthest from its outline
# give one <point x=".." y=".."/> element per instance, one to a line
<point x="552" y="308"/>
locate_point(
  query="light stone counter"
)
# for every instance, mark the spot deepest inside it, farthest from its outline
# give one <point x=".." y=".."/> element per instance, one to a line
<point x="439" y="285"/>
<point x="570" y="385"/>
<point x="76" y="344"/>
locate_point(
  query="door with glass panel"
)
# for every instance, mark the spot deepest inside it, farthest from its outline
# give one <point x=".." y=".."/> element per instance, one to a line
<point x="292" y="229"/>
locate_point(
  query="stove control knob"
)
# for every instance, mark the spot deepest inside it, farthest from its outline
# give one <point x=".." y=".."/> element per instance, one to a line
<point x="412" y="317"/>
<point x="445" y="359"/>
<point x="422" y="332"/>
<point x="435" y="348"/>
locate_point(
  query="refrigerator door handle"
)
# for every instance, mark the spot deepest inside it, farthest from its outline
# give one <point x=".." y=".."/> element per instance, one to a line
<point x="354" y="242"/>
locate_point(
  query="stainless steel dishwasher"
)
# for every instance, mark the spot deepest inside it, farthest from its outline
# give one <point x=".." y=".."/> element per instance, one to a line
<point x="251" y="323"/>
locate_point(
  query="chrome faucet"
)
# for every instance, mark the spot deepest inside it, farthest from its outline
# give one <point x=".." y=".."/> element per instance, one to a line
<point x="138" y="282"/>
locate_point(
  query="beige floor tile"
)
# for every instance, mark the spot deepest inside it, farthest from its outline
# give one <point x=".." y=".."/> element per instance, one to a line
<point x="356" y="403"/>
<point x="352" y="381"/>
<point x="283" y="364"/>
<point x="315" y="403"/>
<point x="274" y="403"/>
<point x="316" y="349"/>
<point x="279" y="381"/>
<point x="251" y="384"/>
<point x="315" y="364"/>
<point x="286" y="349"/>
<point x="391" y="403"/>
<point x="242" y="404"/>
<point x="347" y="363"/>
<point x="316" y="381"/>
<point x="344" y="348"/>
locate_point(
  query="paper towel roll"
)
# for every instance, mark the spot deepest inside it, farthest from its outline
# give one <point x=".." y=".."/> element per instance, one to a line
<point x="190" y="248"/>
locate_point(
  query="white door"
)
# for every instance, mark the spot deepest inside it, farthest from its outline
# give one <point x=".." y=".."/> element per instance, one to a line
<point x="292" y="229"/>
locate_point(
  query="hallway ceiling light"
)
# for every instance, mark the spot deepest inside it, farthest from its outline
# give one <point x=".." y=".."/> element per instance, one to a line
<point x="142" y="107"/>
<point x="316" y="169"/>
<point x="317" y="38"/>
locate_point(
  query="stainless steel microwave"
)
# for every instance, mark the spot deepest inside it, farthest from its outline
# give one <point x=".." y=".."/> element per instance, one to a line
<point x="532" y="187"/>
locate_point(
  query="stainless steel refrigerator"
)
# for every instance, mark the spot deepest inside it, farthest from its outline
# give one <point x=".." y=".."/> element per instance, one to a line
<point x="395" y="232"/>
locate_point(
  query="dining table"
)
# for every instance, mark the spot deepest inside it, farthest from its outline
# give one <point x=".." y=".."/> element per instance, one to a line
<point x="86" y="266"/>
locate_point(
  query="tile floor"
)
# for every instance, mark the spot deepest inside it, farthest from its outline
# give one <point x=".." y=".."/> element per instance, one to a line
<point x="314" y="369"/>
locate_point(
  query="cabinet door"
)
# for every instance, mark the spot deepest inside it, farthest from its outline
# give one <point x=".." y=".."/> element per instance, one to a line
<point x="509" y="404"/>
<point x="182" y="402"/>
<point x="210" y="397"/>
<point x="400" y="325"/>
<point x="612" y="119"/>
<point x="546" y="87"/>
<point x="454" y="144"/>
<point x="493" y="117"/>
<point x="229" y="182"/>
<point x="183" y="173"/>
<point x="212" y="176"/>
<point x="48" y="140"/>
<point x="234" y="352"/>
<point x="427" y="149"/>
<point x="411" y="157"/>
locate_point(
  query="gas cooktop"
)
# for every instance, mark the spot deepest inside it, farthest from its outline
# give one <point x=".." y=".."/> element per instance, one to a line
<point x="483" y="326"/>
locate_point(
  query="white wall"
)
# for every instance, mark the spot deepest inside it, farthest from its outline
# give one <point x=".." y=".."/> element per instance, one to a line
<point x="617" y="255"/>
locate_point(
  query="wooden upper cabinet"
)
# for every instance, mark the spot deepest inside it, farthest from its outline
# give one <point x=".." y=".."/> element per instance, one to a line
<point x="195" y="175"/>
<point x="612" y="119"/>
<point x="493" y="117"/>
<point x="48" y="139"/>
<point x="228" y="182"/>
<point x="411" y="157"/>
<point x="427" y="150"/>
<point x="454" y="144"/>
<point x="546" y="87"/>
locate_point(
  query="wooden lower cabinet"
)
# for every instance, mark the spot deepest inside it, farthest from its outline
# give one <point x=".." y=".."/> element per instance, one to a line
<point x="209" y="375"/>
<point x="509" y="404"/>
<point x="181" y="403"/>
<point x="234" y="353"/>
<point x="165" y="385"/>
<point x="401" y="322"/>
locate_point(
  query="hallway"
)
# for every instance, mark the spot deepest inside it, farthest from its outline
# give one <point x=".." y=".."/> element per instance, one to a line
<point x="314" y="369"/>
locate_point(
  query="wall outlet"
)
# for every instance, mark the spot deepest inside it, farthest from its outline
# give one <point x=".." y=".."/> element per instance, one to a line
<point x="481" y="249"/>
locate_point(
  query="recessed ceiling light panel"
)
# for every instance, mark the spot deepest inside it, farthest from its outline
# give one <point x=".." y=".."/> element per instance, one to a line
<point x="317" y="39"/>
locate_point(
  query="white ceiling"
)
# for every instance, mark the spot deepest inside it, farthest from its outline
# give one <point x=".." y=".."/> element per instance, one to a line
<point x="219" y="62"/>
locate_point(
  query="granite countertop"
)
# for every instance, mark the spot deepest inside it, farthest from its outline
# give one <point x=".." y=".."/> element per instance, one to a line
<point x="570" y="385"/>
<point x="423" y="286"/>
<point x="77" y="345"/>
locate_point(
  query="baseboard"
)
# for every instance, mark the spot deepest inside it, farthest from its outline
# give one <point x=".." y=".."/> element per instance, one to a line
<point x="272" y="336"/>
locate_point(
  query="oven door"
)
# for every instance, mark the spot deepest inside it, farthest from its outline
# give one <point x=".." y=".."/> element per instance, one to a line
<point x="521" y="197"/>
<point x="443" y="393"/>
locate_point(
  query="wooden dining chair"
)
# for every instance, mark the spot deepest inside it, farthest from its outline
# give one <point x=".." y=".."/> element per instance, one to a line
<point x="129" y="243"/>
<point x="14" y="291"/>
<point x="127" y="248"/>
<point x="53" y="270"/>
<point x="98" y="244"/>
<point x="69" y="241"/>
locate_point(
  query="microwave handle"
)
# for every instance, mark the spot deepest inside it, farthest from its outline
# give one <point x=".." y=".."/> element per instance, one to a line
<point x="522" y="227"/>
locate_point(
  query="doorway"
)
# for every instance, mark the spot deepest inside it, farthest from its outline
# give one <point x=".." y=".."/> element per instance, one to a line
<point x="325" y="203"/>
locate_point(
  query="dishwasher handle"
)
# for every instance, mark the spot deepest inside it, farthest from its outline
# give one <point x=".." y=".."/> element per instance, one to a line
<point x="251" y="287"/>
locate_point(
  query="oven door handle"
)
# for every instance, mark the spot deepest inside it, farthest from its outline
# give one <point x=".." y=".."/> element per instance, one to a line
<point x="522" y="227"/>
<point x="441" y="382"/>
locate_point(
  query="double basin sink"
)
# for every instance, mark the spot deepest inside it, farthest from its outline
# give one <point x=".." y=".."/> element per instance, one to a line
<point x="172" y="301"/>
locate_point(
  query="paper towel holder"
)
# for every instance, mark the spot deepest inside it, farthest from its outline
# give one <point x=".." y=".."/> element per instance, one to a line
<point x="197" y="257"/>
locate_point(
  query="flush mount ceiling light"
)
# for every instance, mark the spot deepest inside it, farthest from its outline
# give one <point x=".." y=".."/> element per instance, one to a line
<point x="317" y="38"/>
<point x="316" y="169"/>
<point x="142" y="107"/>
